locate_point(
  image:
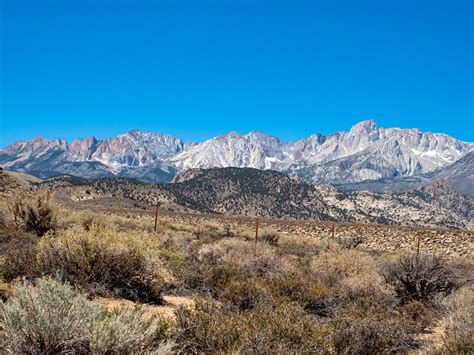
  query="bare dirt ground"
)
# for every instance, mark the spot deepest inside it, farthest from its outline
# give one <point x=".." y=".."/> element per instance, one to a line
<point x="171" y="303"/>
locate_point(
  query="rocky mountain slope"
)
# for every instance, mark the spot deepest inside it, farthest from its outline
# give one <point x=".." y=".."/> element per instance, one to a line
<point x="366" y="152"/>
<point x="133" y="154"/>
<point x="460" y="176"/>
<point x="253" y="192"/>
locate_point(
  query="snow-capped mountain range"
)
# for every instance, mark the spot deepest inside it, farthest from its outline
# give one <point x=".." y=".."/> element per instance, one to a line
<point x="366" y="152"/>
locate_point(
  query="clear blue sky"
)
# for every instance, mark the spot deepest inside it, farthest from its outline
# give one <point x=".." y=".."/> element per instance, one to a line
<point x="200" y="68"/>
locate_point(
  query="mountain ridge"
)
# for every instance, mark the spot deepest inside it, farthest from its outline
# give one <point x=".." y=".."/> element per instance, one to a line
<point x="365" y="152"/>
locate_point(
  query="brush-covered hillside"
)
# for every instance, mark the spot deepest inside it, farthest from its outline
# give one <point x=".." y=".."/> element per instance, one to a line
<point x="252" y="192"/>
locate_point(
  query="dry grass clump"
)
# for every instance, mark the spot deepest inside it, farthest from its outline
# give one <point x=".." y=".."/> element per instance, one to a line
<point x="211" y="231"/>
<point x="314" y="297"/>
<point x="214" y="267"/>
<point x="353" y="274"/>
<point x="247" y="258"/>
<point x="270" y="237"/>
<point x="300" y="246"/>
<point x="458" y="324"/>
<point x="51" y="317"/>
<point x="89" y="220"/>
<point x="106" y="262"/>
<point x="421" y="277"/>
<point x="33" y="214"/>
<point x="121" y="223"/>
<point x="276" y="328"/>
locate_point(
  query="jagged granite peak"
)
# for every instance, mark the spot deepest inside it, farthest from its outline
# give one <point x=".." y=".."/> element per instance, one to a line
<point x="255" y="149"/>
<point x="84" y="147"/>
<point x="364" y="129"/>
<point x="137" y="148"/>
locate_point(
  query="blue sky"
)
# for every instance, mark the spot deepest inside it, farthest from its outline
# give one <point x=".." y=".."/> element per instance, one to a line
<point x="200" y="68"/>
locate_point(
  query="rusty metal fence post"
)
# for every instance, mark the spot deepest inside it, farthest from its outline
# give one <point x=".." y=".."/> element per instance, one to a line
<point x="257" y="221"/>
<point x="156" y="219"/>
<point x="418" y="242"/>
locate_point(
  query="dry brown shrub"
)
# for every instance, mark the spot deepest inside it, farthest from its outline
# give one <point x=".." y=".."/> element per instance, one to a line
<point x="17" y="254"/>
<point x="417" y="315"/>
<point x="421" y="277"/>
<point x="458" y="323"/>
<point x="310" y="294"/>
<point x="301" y="246"/>
<point x="249" y="259"/>
<point x="271" y="238"/>
<point x="351" y="242"/>
<point x="107" y="262"/>
<point x="372" y="332"/>
<point x="245" y="293"/>
<point x="281" y="328"/>
<point x="33" y="213"/>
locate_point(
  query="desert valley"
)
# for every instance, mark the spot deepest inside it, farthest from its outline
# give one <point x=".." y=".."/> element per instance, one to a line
<point x="236" y="177"/>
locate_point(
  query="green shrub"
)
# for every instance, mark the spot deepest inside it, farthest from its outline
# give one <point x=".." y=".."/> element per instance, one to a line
<point x="128" y="330"/>
<point x="106" y="262"/>
<point x="34" y="214"/>
<point x="51" y="317"/>
<point x="420" y="277"/>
